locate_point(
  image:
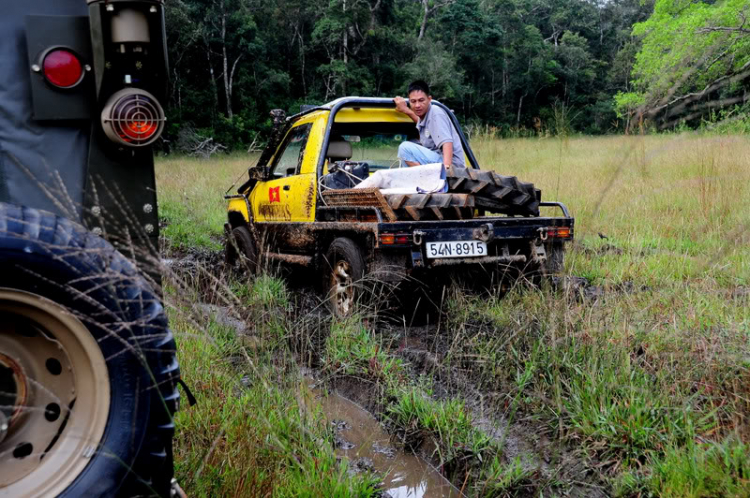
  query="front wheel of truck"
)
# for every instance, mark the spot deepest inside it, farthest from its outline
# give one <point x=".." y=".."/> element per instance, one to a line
<point x="344" y="270"/>
<point x="240" y="252"/>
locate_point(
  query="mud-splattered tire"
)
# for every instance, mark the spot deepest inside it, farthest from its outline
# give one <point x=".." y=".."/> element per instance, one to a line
<point x="240" y="252"/>
<point x="501" y="194"/>
<point x="555" y="263"/>
<point x="344" y="269"/>
<point x="421" y="302"/>
<point x="87" y="343"/>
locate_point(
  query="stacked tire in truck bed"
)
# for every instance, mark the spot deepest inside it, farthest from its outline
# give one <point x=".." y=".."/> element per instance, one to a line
<point x="469" y="190"/>
<point x="497" y="193"/>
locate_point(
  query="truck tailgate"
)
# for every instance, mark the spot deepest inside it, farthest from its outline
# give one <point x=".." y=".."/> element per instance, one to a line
<point x="497" y="239"/>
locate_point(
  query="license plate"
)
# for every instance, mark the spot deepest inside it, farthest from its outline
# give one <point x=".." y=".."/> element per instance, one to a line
<point x="456" y="249"/>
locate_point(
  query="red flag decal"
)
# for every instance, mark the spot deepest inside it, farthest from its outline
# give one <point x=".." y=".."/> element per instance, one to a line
<point x="273" y="195"/>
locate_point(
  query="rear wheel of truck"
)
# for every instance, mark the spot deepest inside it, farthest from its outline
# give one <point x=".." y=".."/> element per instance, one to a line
<point x="240" y="252"/>
<point x="421" y="302"/>
<point x="344" y="270"/>
<point x="555" y="263"/>
<point x="548" y="271"/>
<point x="87" y="365"/>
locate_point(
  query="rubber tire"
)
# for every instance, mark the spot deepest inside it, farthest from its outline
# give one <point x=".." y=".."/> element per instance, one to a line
<point x="48" y="256"/>
<point x="240" y="243"/>
<point x="501" y="194"/>
<point x="555" y="263"/>
<point x="343" y="248"/>
<point x="421" y="302"/>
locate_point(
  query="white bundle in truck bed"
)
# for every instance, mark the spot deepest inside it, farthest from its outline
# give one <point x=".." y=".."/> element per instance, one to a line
<point x="426" y="179"/>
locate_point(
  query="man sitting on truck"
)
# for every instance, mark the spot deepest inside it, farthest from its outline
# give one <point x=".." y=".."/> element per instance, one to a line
<point x="439" y="139"/>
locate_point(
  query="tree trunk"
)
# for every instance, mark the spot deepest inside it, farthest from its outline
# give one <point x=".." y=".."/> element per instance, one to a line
<point x="214" y="87"/>
<point x="178" y="87"/>
<point x="231" y="76"/>
<point x="345" y="53"/>
<point x="505" y="77"/>
<point x="426" y="14"/>
<point x="302" y="61"/>
<point x="520" y="106"/>
<point x="601" y="33"/>
<point x="492" y="89"/>
<point x="225" y="62"/>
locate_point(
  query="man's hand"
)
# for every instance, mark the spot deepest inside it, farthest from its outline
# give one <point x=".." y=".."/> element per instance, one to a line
<point x="401" y="106"/>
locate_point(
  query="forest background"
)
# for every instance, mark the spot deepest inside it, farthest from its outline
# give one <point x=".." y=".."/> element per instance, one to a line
<point x="510" y="67"/>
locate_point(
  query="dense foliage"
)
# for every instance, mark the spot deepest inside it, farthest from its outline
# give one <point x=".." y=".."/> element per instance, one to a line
<point x="514" y="65"/>
<point x="694" y="62"/>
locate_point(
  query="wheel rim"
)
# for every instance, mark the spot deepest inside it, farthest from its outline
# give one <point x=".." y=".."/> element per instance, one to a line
<point x="58" y="396"/>
<point x="342" y="288"/>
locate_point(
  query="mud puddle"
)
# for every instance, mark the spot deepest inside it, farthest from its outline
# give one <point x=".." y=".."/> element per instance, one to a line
<point x="358" y="436"/>
<point x="361" y="440"/>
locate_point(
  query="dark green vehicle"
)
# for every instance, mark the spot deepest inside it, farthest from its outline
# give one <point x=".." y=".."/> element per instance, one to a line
<point x="88" y="372"/>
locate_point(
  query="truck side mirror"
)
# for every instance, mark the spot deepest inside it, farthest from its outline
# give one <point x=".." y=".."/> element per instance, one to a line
<point x="261" y="173"/>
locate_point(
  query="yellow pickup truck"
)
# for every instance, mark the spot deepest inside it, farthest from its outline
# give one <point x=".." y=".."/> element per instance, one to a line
<point x="286" y="213"/>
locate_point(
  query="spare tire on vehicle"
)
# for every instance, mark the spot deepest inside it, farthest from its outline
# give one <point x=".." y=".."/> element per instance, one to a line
<point x="498" y="193"/>
<point x="88" y="370"/>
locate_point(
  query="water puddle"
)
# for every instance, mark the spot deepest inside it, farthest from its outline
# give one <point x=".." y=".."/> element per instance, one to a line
<point x="361" y="439"/>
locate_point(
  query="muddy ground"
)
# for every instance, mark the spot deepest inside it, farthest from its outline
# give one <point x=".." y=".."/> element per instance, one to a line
<point x="555" y="467"/>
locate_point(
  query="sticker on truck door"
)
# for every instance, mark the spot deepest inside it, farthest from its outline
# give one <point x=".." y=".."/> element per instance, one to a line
<point x="274" y="195"/>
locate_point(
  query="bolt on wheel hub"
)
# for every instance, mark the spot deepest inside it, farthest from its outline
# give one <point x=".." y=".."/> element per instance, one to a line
<point x="3" y="426"/>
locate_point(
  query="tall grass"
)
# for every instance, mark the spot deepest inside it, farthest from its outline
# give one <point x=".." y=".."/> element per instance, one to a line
<point x="645" y="377"/>
<point x="251" y="433"/>
<point x="191" y="197"/>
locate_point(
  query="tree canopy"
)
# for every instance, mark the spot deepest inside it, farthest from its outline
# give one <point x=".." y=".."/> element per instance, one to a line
<point x="503" y="63"/>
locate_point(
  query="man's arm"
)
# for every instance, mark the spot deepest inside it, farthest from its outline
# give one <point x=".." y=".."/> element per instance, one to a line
<point x="402" y="107"/>
<point x="441" y="129"/>
<point x="448" y="153"/>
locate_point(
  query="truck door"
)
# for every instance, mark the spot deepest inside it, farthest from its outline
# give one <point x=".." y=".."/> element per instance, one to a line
<point x="290" y="195"/>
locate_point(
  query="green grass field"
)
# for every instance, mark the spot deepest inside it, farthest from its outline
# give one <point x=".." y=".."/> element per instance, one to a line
<point x="644" y="384"/>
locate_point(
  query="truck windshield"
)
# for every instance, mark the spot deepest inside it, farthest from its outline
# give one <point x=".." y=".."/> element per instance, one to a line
<point x="375" y="143"/>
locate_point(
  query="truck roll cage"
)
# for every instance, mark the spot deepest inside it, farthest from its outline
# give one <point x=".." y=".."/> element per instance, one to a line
<point x="376" y="102"/>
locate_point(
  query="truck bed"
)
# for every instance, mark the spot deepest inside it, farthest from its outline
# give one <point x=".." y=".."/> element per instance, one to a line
<point x="416" y="207"/>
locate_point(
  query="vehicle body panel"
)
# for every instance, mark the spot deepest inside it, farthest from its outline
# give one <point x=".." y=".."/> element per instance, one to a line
<point x="285" y="199"/>
<point x="33" y="154"/>
<point x="371" y="115"/>
<point x="53" y="152"/>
